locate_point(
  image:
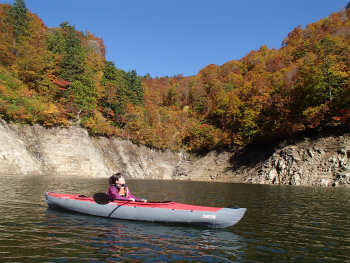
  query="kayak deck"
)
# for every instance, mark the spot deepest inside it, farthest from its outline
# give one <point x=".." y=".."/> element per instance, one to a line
<point x="164" y="205"/>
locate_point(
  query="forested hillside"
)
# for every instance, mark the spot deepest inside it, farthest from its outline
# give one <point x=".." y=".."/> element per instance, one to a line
<point x="60" y="77"/>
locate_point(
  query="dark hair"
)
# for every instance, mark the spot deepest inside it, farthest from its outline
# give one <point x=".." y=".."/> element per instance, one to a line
<point x="115" y="177"/>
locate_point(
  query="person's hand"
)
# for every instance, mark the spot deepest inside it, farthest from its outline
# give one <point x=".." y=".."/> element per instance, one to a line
<point x="144" y="200"/>
<point x="132" y="199"/>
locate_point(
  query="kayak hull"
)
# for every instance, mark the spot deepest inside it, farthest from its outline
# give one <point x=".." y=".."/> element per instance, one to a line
<point x="170" y="212"/>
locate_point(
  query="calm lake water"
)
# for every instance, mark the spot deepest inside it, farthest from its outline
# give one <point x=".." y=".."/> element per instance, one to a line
<point x="282" y="224"/>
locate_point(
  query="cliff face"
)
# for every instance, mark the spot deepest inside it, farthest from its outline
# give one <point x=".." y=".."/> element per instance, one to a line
<point x="72" y="152"/>
<point x="319" y="162"/>
<point x="323" y="163"/>
<point x="34" y="150"/>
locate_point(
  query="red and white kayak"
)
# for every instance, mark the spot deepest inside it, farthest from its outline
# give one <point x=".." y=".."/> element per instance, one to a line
<point x="170" y="212"/>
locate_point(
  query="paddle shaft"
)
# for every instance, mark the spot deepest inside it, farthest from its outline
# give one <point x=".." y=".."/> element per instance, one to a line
<point x="102" y="198"/>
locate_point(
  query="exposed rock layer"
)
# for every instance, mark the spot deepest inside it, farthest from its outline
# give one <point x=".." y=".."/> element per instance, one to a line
<point x="72" y="152"/>
<point x="34" y="150"/>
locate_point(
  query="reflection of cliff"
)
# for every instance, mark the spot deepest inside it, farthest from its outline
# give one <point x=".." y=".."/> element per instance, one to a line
<point x="35" y="150"/>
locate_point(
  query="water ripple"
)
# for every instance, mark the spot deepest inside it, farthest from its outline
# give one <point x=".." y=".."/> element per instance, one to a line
<point x="282" y="224"/>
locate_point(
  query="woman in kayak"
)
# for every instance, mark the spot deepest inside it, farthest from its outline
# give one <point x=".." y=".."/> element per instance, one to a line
<point x="119" y="190"/>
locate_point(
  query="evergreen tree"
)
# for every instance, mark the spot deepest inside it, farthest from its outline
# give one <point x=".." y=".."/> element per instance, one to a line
<point x="110" y="72"/>
<point x="135" y="88"/>
<point x="74" y="70"/>
<point x="55" y="41"/>
<point x="18" y="18"/>
<point x="73" y="62"/>
<point x="115" y="82"/>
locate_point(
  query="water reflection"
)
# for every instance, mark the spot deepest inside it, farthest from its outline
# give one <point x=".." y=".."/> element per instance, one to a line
<point x="115" y="240"/>
<point x="282" y="224"/>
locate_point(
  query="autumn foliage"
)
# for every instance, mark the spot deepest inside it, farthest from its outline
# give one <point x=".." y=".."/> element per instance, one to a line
<point x="60" y="77"/>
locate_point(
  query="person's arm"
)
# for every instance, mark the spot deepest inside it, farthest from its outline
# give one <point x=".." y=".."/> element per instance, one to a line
<point x="134" y="198"/>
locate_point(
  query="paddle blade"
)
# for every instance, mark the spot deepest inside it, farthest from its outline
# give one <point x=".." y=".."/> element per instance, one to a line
<point x="102" y="198"/>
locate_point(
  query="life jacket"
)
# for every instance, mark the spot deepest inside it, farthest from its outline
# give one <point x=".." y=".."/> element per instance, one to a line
<point x="122" y="190"/>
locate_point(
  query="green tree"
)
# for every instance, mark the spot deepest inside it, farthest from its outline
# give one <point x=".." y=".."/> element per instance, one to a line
<point x="17" y="16"/>
<point x="83" y="95"/>
<point x="55" y="41"/>
<point x="73" y="62"/>
<point x="110" y="72"/>
<point x="83" y="87"/>
<point x="120" y="88"/>
<point x="135" y="89"/>
<point x="115" y="95"/>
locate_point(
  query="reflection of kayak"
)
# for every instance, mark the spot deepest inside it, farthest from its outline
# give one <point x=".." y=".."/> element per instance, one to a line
<point x="170" y="212"/>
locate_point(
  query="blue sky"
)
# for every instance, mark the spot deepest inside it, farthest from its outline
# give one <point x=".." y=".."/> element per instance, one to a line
<point x="171" y="37"/>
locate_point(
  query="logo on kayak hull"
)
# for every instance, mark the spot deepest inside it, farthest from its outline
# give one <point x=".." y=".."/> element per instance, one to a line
<point x="209" y="216"/>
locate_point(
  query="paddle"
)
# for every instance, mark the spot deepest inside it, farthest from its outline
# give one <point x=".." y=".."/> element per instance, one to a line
<point x="102" y="199"/>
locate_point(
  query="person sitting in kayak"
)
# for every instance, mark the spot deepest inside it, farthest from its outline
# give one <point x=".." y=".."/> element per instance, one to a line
<point x="119" y="190"/>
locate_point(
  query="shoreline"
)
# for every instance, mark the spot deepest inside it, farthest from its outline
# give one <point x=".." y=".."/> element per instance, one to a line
<point x="35" y="150"/>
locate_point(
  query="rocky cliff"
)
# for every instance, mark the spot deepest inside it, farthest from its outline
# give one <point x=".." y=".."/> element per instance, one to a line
<point x="72" y="152"/>
<point x="34" y="150"/>
<point x="315" y="161"/>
